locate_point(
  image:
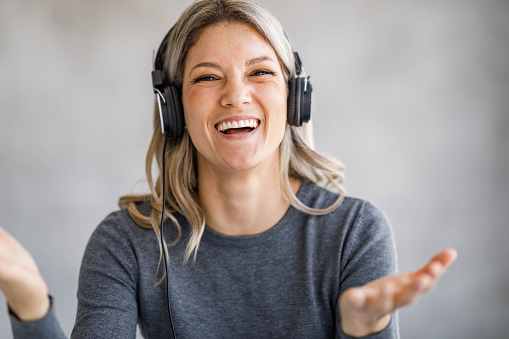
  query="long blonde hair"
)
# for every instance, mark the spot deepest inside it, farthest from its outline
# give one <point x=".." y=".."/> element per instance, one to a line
<point x="297" y="158"/>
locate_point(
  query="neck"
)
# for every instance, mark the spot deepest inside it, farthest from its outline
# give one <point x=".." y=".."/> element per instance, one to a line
<point x="242" y="203"/>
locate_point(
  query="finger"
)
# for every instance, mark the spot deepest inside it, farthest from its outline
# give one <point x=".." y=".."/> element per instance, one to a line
<point x="434" y="269"/>
<point x="409" y="293"/>
<point x="439" y="263"/>
<point x="446" y="257"/>
<point x="423" y="280"/>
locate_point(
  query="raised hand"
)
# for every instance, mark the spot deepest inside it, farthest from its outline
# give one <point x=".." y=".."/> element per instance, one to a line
<point x="367" y="309"/>
<point x="20" y="281"/>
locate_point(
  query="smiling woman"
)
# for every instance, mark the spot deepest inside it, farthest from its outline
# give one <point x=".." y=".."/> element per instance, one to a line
<point x="275" y="253"/>
<point x="230" y="62"/>
<point x="240" y="88"/>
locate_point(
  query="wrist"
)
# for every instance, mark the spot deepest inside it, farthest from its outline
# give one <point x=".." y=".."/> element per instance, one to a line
<point x="30" y="309"/>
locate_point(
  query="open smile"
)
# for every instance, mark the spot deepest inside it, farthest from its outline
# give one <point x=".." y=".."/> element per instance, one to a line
<point x="237" y="126"/>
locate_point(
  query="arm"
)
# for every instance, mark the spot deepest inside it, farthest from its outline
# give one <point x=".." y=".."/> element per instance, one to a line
<point x="107" y="298"/>
<point x="371" y="291"/>
<point x="366" y="310"/>
<point x="368" y="253"/>
<point x="26" y="292"/>
<point x="107" y="290"/>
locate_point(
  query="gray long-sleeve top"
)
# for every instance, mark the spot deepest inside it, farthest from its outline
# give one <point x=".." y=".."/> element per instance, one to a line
<point x="283" y="283"/>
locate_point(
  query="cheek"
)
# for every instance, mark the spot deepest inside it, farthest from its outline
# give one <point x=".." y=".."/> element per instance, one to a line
<point x="276" y="106"/>
<point x="194" y="109"/>
<point x="195" y="105"/>
<point x="284" y="116"/>
<point x="194" y="129"/>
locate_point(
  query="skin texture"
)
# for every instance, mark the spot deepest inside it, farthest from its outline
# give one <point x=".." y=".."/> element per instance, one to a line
<point x="230" y="73"/>
<point x="20" y="281"/>
<point x="233" y="74"/>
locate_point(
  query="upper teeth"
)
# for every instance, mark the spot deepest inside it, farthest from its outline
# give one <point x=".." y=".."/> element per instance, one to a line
<point x="253" y="123"/>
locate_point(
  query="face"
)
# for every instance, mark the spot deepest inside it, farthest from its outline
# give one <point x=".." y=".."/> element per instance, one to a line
<point x="234" y="97"/>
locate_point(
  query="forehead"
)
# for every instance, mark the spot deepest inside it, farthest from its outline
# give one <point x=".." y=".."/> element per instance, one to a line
<point x="228" y="42"/>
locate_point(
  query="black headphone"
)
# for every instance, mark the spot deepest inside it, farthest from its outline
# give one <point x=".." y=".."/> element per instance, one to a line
<point x="171" y="111"/>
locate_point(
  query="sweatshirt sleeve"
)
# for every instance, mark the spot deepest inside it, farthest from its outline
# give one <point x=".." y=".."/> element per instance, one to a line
<point x="369" y="253"/>
<point x="45" y="328"/>
<point x="107" y="289"/>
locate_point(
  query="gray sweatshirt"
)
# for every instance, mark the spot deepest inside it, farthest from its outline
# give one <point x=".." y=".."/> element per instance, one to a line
<point x="283" y="283"/>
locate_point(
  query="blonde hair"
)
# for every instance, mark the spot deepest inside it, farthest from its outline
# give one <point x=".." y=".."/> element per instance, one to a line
<point x="297" y="158"/>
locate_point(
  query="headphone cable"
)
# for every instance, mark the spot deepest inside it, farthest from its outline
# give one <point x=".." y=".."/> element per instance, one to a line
<point x="161" y="238"/>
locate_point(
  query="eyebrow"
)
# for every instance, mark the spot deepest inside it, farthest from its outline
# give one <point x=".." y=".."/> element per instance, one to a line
<point x="259" y="59"/>
<point x="205" y="64"/>
<point x="248" y="63"/>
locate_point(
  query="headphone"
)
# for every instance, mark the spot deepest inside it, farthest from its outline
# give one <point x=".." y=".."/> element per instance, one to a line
<point x="171" y="111"/>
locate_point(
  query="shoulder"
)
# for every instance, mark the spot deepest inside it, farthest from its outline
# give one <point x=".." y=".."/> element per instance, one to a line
<point x="118" y="223"/>
<point x="352" y="208"/>
<point x="119" y="247"/>
<point x="119" y="231"/>
<point x="362" y="232"/>
<point x="355" y="220"/>
<point x="356" y="237"/>
<point x="363" y="213"/>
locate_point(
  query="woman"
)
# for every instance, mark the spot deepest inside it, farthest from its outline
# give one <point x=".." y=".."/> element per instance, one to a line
<point x="279" y="256"/>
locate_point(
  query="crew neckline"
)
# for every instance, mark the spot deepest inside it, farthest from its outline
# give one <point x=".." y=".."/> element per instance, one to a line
<point x="209" y="235"/>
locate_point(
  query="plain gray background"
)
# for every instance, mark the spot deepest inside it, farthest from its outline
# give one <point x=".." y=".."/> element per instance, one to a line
<point x="412" y="95"/>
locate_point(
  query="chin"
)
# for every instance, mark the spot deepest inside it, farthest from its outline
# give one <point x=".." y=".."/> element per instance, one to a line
<point x="241" y="163"/>
<point x="247" y="161"/>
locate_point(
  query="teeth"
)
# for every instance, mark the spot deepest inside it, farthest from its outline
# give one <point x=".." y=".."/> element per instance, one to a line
<point x="253" y="123"/>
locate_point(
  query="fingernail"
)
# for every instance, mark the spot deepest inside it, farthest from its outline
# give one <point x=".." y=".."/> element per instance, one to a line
<point x="454" y="253"/>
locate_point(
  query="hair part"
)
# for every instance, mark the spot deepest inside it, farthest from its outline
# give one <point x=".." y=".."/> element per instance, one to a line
<point x="206" y="13"/>
<point x="297" y="158"/>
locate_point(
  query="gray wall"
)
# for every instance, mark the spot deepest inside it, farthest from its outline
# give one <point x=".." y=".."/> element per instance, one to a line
<point x="412" y="95"/>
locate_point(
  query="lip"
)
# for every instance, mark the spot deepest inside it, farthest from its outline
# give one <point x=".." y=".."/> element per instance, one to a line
<point x="238" y="118"/>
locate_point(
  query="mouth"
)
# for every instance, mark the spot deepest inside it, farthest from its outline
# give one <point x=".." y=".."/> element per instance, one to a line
<point x="237" y="126"/>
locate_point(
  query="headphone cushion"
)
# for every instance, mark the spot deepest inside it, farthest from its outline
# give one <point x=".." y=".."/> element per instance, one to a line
<point x="178" y="111"/>
<point x="172" y="112"/>
<point x="299" y="101"/>
<point x="293" y="102"/>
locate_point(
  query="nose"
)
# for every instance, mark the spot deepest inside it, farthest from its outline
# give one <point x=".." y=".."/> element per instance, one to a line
<point x="235" y="94"/>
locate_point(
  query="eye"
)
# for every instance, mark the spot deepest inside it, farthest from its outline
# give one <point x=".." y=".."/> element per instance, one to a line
<point x="260" y="72"/>
<point x="205" y="78"/>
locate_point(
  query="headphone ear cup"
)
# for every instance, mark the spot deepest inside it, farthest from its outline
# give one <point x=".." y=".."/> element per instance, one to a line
<point x="299" y="101"/>
<point x="177" y="112"/>
<point x="292" y="113"/>
<point x="172" y="113"/>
